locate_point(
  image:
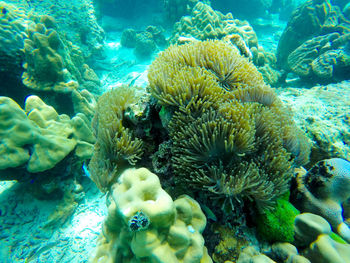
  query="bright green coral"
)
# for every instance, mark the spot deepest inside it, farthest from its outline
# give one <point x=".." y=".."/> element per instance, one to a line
<point x="277" y="224"/>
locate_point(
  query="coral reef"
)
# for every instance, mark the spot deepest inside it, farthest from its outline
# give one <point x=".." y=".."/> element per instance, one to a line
<point x="323" y="190"/>
<point x="231" y="135"/>
<point x="116" y="147"/>
<point x="77" y="14"/>
<point x="316" y="51"/>
<point x="173" y="232"/>
<point x="37" y="139"/>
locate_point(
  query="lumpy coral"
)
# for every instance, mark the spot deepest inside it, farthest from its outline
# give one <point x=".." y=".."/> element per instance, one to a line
<point x="231" y="135"/>
<point x="205" y="23"/>
<point x="39" y="138"/>
<point x="13" y="23"/>
<point x="173" y="229"/>
<point x="116" y="147"/>
<point x="316" y="51"/>
<point x="324" y="190"/>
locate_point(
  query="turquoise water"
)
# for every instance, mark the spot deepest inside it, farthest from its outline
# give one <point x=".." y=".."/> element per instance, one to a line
<point x="241" y="106"/>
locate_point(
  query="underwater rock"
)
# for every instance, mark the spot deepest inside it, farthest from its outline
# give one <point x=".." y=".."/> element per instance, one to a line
<point x="322" y="112"/>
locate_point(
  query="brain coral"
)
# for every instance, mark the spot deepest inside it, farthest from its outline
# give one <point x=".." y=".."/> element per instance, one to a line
<point x="231" y="135"/>
<point x="205" y="23"/>
<point x="314" y="43"/>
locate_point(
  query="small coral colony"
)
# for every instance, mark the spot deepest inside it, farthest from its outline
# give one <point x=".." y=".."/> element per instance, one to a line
<point x="205" y="164"/>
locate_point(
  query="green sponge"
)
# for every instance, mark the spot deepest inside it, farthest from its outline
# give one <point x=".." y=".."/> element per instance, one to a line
<point x="276" y="225"/>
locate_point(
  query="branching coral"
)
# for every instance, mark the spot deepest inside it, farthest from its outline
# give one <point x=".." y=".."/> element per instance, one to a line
<point x="116" y="147"/>
<point x="231" y="134"/>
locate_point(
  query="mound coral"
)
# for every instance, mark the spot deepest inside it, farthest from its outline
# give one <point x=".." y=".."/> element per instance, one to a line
<point x="324" y="189"/>
<point x="38" y="138"/>
<point x="171" y="231"/>
<point x="317" y="51"/>
<point x="231" y="135"/>
<point x="116" y="147"/>
<point x="206" y="23"/>
<point x="46" y="61"/>
<point x="13" y="23"/>
<point x="313" y="234"/>
<point x="175" y="9"/>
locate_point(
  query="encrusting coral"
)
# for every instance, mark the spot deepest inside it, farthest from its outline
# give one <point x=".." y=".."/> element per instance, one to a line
<point x="116" y="147"/>
<point x="231" y="135"/>
<point x="171" y="230"/>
